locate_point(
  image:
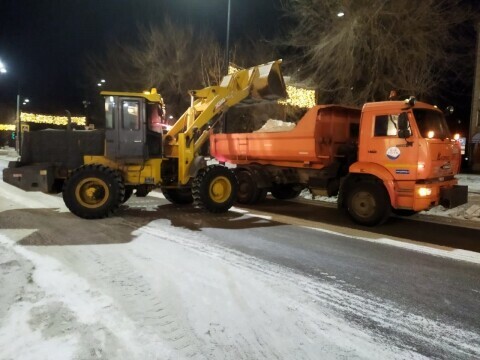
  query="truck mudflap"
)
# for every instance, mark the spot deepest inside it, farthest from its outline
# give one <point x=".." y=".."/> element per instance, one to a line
<point x="30" y="177"/>
<point x="453" y="196"/>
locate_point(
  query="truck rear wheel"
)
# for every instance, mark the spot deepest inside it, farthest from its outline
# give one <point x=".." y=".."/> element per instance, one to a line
<point x="248" y="192"/>
<point x="368" y="203"/>
<point x="284" y="191"/>
<point x="93" y="191"/>
<point x="178" y="196"/>
<point x="215" y="189"/>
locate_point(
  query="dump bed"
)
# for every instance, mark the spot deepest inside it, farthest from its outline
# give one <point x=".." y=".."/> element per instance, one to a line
<point x="314" y="142"/>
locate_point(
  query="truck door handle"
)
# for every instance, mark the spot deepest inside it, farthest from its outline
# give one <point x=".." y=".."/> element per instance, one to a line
<point x="372" y="151"/>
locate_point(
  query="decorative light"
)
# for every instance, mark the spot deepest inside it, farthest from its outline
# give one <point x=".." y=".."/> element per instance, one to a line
<point x="7" y="127"/>
<point x="49" y="119"/>
<point x="299" y="97"/>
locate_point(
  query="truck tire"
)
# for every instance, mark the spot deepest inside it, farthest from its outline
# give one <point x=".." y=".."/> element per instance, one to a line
<point x="284" y="191"/>
<point x="93" y="191"/>
<point x="181" y="196"/>
<point x="248" y="192"/>
<point x="368" y="203"/>
<point x="215" y="189"/>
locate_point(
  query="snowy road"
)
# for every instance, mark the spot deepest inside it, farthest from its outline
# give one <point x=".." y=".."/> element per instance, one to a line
<point x="164" y="282"/>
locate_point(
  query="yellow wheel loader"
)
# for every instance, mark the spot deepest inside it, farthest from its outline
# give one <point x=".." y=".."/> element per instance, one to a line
<point x="98" y="170"/>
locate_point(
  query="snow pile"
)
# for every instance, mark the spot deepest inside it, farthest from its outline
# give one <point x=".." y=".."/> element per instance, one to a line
<point x="276" y="126"/>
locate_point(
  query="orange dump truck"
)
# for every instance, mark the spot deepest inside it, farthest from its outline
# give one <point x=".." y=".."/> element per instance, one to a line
<point x="389" y="156"/>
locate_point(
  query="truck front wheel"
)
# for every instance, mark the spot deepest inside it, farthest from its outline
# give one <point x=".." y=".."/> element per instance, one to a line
<point x="368" y="203"/>
<point x="215" y="189"/>
<point x="93" y="191"/>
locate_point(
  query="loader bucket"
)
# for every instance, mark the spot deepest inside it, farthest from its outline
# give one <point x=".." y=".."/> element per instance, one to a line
<point x="268" y="82"/>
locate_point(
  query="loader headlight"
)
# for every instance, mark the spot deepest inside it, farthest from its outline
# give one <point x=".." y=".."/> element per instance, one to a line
<point x="423" y="191"/>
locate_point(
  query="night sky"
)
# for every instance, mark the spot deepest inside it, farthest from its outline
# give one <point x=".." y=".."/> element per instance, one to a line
<point x="43" y="43"/>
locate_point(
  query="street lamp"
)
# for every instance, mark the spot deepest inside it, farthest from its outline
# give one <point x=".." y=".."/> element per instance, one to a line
<point x="227" y="42"/>
<point x="3" y="69"/>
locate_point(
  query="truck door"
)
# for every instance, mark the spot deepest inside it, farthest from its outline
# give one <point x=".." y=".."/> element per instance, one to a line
<point x="384" y="146"/>
<point x="125" y="128"/>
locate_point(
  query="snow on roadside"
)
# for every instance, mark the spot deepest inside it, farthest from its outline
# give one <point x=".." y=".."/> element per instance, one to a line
<point x="58" y="315"/>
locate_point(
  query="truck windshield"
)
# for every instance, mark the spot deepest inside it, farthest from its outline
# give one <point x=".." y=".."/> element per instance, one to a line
<point x="431" y="124"/>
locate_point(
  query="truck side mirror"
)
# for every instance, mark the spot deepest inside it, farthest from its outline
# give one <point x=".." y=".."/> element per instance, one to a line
<point x="403" y="126"/>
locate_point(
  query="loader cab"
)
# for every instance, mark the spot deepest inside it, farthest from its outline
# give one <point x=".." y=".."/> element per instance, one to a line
<point x="132" y="131"/>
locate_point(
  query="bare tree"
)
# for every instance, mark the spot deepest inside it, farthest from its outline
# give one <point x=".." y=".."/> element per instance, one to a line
<point x="172" y="58"/>
<point x="376" y="47"/>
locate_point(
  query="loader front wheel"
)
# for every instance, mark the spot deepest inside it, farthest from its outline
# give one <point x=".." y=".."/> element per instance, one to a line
<point x="215" y="189"/>
<point x="180" y="196"/>
<point x="93" y="191"/>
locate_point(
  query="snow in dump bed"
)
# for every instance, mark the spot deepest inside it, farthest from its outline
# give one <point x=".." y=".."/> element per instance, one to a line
<point x="276" y="126"/>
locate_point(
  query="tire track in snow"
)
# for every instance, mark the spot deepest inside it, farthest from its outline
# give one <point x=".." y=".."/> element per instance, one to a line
<point x="405" y="329"/>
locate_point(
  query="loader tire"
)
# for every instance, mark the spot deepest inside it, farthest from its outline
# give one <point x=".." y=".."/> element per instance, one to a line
<point x="215" y="189"/>
<point x="284" y="191"/>
<point x="93" y="191"/>
<point x="368" y="203"/>
<point x="248" y="192"/>
<point x="181" y="196"/>
<point x="127" y="195"/>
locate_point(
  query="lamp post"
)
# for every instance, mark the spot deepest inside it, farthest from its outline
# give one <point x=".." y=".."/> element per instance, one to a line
<point x="227" y="42"/>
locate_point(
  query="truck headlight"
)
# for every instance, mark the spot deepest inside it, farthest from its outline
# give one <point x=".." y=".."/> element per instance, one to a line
<point x="423" y="191"/>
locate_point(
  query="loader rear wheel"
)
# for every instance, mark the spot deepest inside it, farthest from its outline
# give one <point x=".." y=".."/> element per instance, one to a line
<point x="284" y="191"/>
<point x="248" y="192"/>
<point x="178" y="196"/>
<point x="93" y="191"/>
<point x="215" y="189"/>
<point x="368" y="203"/>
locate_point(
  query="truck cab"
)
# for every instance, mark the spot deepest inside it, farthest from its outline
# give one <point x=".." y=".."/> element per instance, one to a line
<point x="407" y="156"/>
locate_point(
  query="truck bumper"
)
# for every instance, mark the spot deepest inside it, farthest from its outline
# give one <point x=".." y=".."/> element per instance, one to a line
<point x="447" y="193"/>
<point x="454" y="196"/>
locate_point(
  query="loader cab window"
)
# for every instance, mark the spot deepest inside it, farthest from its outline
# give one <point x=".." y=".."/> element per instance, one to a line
<point x="155" y="118"/>
<point x="130" y="115"/>
<point x="386" y="125"/>
<point x="109" y="112"/>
